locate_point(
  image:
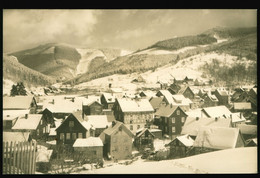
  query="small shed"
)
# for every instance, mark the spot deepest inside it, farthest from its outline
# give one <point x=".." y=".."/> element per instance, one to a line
<point x="181" y="146"/>
<point x="144" y="139"/>
<point x="90" y="148"/>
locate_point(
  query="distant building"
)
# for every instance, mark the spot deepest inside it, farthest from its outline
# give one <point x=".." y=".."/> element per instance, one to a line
<point x="187" y="92"/>
<point x="117" y="141"/>
<point x="139" y="79"/>
<point x="20" y="103"/>
<point x="156" y="102"/>
<point x="107" y="100"/>
<point x="98" y="123"/>
<point x="167" y="96"/>
<point x="223" y="96"/>
<point x="210" y="100"/>
<point x="93" y="108"/>
<point x="215" y="111"/>
<point x="134" y="113"/>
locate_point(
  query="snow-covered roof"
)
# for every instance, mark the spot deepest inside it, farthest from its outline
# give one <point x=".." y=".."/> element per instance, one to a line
<point x="192" y="125"/>
<point x="16" y="112"/>
<point x="43" y="155"/>
<point x="89" y="100"/>
<point x="167" y="95"/>
<point x="98" y="121"/>
<point x="166" y="110"/>
<point x="53" y="132"/>
<point x="15" y="136"/>
<point x="110" y="98"/>
<point x="143" y="131"/>
<point x="116" y="90"/>
<point x="88" y="142"/>
<point x="222" y="91"/>
<point x="194" y="112"/>
<point x="17" y="102"/>
<point x="236" y="117"/>
<point x="186" y="140"/>
<point x="156" y="101"/>
<point x="242" y="105"/>
<point x="181" y="100"/>
<point x="31" y="123"/>
<point x="132" y="105"/>
<point x="217" y="137"/>
<point x="216" y="111"/>
<point x="149" y="93"/>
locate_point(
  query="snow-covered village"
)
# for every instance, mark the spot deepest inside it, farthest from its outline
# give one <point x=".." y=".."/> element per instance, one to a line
<point x="185" y="105"/>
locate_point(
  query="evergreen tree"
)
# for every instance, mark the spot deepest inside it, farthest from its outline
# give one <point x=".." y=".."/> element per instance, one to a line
<point x="18" y="89"/>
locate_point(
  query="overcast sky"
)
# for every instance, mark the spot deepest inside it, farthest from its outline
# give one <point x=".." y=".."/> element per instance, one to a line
<point x="124" y="29"/>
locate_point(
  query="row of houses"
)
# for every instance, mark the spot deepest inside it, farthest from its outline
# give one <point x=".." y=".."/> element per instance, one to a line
<point x="117" y="120"/>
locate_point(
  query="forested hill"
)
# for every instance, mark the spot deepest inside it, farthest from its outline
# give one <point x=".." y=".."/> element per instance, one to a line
<point x="17" y="72"/>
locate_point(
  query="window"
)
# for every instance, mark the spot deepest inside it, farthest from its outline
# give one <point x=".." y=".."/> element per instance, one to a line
<point x="71" y="123"/>
<point x="61" y="136"/>
<point x="178" y="112"/>
<point x="183" y="119"/>
<point x="165" y="128"/>
<point x="94" y="152"/>
<point x="38" y="132"/>
<point x="80" y="135"/>
<point x="68" y="136"/>
<point x="173" y="120"/>
<point x="173" y="129"/>
<point x="74" y="136"/>
<point x="131" y="121"/>
<point x="131" y="127"/>
<point x="43" y="130"/>
<point x="138" y="126"/>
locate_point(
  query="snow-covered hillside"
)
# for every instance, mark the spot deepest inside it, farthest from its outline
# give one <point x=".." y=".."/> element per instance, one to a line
<point x="238" y="160"/>
<point x="189" y="66"/>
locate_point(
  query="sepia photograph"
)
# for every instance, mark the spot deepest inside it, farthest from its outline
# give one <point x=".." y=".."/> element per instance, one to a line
<point x="129" y="91"/>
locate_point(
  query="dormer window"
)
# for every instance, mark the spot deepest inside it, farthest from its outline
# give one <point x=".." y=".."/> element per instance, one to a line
<point x="178" y="112"/>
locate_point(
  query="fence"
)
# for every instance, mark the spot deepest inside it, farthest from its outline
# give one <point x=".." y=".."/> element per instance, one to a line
<point x="19" y="157"/>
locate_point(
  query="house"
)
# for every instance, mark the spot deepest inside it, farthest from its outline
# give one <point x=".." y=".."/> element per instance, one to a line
<point x="215" y="111"/>
<point x="107" y="100"/>
<point x="217" y="138"/>
<point x="203" y="91"/>
<point x="185" y="103"/>
<point x="236" y="118"/>
<point x="210" y="100"/>
<point x="48" y="117"/>
<point x="237" y="93"/>
<point x="167" y="96"/>
<point x="194" y="113"/>
<point x="170" y="119"/>
<point x="139" y="79"/>
<point x="20" y="103"/>
<point x="156" y="102"/>
<point x="192" y="124"/>
<point x="223" y="96"/>
<point x="248" y="131"/>
<point x="11" y="136"/>
<point x="144" y="139"/>
<point x="180" y="146"/>
<point x="147" y="94"/>
<point x="8" y="122"/>
<point x="241" y="107"/>
<point x="117" y="140"/>
<point x="253" y="98"/>
<point x="98" y="123"/>
<point x="33" y="123"/>
<point x="53" y="134"/>
<point x="189" y="80"/>
<point x="187" y="92"/>
<point x="93" y="108"/>
<point x="73" y="127"/>
<point x="174" y="88"/>
<point x="90" y="149"/>
<point x="134" y="113"/>
<point x="178" y="80"/>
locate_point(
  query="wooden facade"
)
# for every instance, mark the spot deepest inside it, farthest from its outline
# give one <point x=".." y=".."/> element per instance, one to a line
<point x="94" y="108"/>
<point x="144" y="139"/>
<point x="71" y="129"/>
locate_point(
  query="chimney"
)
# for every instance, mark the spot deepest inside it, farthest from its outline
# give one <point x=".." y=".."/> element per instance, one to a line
<point x="240" y="115"/>
<point x="109" y="85"/>
<point x="216" y="119"/>
<point x="113" y="123"/>
<point x="230" y="116"/>
<point x="53" y="101"/>
<point x="197" y="118"/>
<point x="171" y="105"/>
<point x="72" y="100"/>
<point x="26" y="116"/>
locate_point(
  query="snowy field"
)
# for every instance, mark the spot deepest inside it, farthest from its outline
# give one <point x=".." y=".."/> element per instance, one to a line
<point x="238" y="160"/>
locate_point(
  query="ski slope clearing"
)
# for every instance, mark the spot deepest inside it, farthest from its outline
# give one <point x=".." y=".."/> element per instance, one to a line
<point x="238" y="160"/>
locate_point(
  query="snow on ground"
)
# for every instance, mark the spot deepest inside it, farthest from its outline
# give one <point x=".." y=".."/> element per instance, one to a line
<point x="86" y="56"/>
<point x="160" y="144"/>
<point x="238" y="160"/>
